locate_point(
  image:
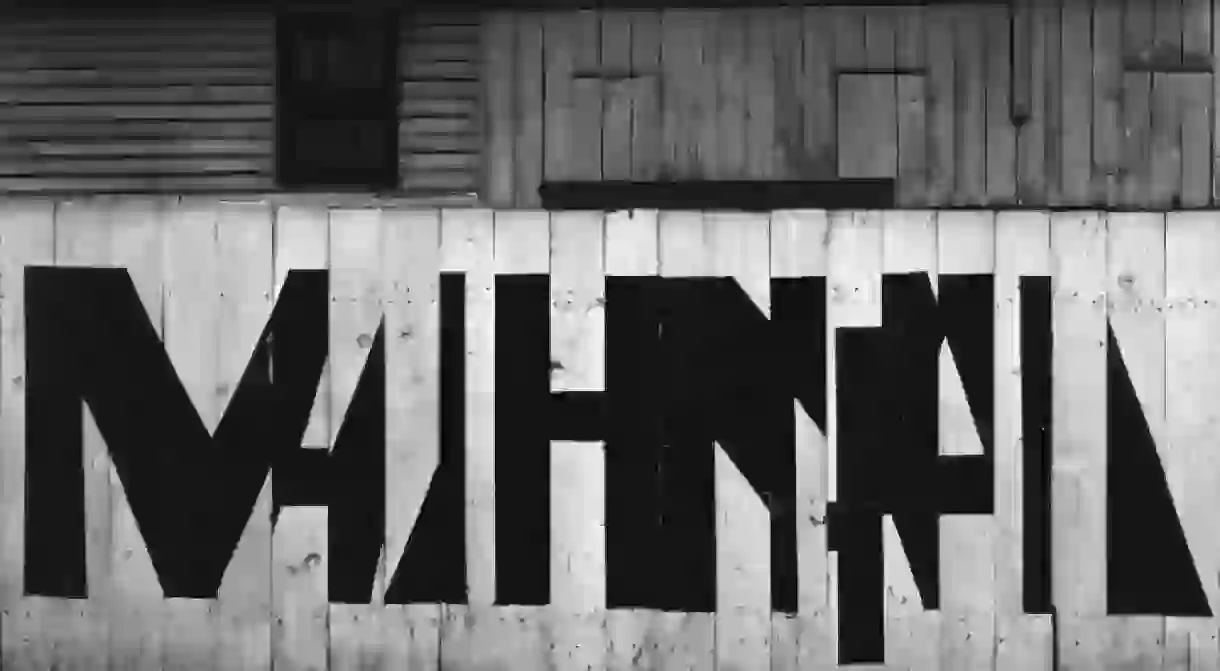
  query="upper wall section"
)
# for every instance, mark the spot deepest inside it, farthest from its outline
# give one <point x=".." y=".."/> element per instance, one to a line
<point x="166" y="104"/>
<point x="184" y="102"/>
<point x="1099" y="104"/>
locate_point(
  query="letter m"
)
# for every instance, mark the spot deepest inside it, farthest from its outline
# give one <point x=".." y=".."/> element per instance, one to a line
<point x="90" y="340"/>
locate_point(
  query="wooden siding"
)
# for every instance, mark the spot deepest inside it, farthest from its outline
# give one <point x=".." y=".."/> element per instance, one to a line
<point x="161" y="104"/>
<point x="440" y="129"/>
<point x="1047" y="103"/>
<point x="1090" y="334"/>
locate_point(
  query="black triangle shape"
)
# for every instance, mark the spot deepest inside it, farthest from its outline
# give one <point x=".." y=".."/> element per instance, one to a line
<point x="1149" y="566"/>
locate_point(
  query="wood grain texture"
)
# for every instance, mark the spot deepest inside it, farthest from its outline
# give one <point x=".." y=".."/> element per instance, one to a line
<point x="208" y="272"/>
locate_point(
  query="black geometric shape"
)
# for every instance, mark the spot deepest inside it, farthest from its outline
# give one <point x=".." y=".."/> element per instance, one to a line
<point x="433" y="566"/>
<point x="1149" y="566"/>
<point x="887" y="379"/>
<point x="90" y="339"/>
<point x="1037" y="346"/>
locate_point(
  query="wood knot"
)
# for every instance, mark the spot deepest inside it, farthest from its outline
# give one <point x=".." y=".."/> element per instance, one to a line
<point x="364" y="340"/>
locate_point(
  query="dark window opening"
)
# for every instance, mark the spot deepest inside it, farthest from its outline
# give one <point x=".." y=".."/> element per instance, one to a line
<point x="337" y="100"/>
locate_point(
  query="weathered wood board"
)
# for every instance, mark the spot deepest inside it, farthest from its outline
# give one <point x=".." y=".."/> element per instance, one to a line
<point x="886" y="439"/>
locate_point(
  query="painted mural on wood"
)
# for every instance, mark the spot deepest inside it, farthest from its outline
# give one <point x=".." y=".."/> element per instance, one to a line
<point x="723" y="368"/>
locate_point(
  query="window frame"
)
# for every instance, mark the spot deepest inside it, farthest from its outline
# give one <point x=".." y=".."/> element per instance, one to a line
<point x="297" y="107"/>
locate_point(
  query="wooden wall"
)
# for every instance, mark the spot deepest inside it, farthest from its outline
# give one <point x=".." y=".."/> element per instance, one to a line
<point x="208" y="274"/>
<point x="171" y="103"/>
<point x="145" y="103"/>
<point x="1050" y="103"/>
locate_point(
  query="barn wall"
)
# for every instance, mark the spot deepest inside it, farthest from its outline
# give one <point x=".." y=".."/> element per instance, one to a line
<point x="145" y="103"/>
<point x="440" y="132"/>
<point x="1048" y="104"/>
<point x="185" y="103"/>
<point x="504" y="542"/>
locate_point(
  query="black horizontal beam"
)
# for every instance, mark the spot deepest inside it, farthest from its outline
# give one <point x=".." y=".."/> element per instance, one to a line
<point x="756" y="196"/>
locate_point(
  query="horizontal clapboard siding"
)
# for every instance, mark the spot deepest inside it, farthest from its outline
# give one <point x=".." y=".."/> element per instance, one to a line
<point x="440" y="126"/>
<point x="147" y="104"/>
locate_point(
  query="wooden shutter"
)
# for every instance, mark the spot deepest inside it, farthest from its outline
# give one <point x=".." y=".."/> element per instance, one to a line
<point x="142" y="104"/>
<point x="440" y="125"/>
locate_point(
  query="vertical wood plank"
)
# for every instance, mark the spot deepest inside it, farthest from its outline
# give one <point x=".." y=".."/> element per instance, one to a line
<point x="965" y="245"/>
<point x="911" y="633"/>
<point x="578" y="539"/>
<point x="851" y="52"/>
<point x="410" y="261"/>
<point x="1191" y="287"/>
<point x="585" y="150"/>
<point x="682" y="119"/>
<point x="1022" y="17"/>
<point x="646" y="119"/>
<point x="1195" y="104"/>
<point x="1165" y="150"/>
<point x="1051" y="44"/>
<point x="516" y="635"/>
<point x="1137" y="142"/>
<point x="530" y="76"/>
<point x="619" y="94"/>
<point x="799" y="249"/>
<point x="1167" y="33"/>
<point x="1078" y="476"/>
<point x="868" y="126"/>
<point x="739" y="247"/>
<point x="560" y="32"/>
<point x="814" y="68"/>
<point x="1077" y="102"/>
<point x="760" y="95"/>
<point x="246" y="282"/>
<point x="499" y="55"/>
<point x="970" y="101"/>
<point x="467" y="246"/>
<point x="26" y="238"/>
<point x="1031" y="135"/>
<point x="1022" y="243"/>
<point x="1196" y="32"/>
<point x="731" y="88"/>
<point x="1214" y="58"/>
<point x="631" y="248"/>
<point x="301" y="638"/>
<point x="72" y="631"/>
<point x="1107" y="101"/>
<point x="1001" y="134"/>
<point x="910" y="62"/>
<point x="683" y="640"/>
<point x="704" y="92"/>
<point x="191" y="332"/>
<point x="939" y="103"/>
<point x="356" y="240"/>
<point x="129" y="597"/>
<point x="302" y="236"/>
<point x="909" y="45"/>
<point x="788" y="31"/>
<point x="854" y="299"/>
<point x="912" y="137"/>
<point x="1135" y="286"/>
<point x="880" y="38"/>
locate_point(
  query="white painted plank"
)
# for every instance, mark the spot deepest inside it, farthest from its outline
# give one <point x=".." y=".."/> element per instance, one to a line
<point x="738" y="246"/>
<point x="1078" y="478"/>
<point x="301" y="637"/>
<point x="1022" y="244"/>
<point x="578" y="537"/>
